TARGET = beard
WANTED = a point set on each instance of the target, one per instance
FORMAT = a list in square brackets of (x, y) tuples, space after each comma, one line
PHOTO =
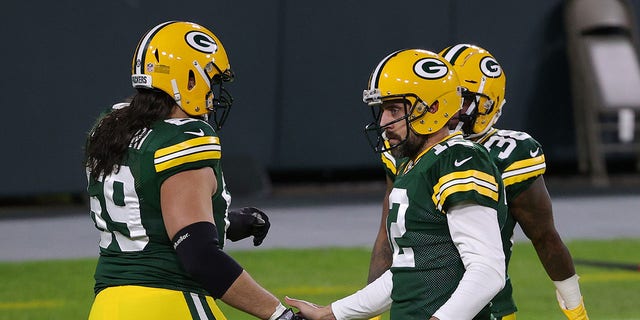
[(410, 148)]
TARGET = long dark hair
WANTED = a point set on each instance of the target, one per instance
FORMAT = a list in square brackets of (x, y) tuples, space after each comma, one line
[(108, 141)]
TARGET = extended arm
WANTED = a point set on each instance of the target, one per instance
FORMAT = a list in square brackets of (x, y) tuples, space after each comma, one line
[(532, 209), (369, 301), (187, 212)]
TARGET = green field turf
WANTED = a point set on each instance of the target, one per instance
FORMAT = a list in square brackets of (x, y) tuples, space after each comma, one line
[(62, 289)]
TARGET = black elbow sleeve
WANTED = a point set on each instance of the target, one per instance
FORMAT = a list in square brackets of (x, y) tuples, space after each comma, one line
[(197, 248)]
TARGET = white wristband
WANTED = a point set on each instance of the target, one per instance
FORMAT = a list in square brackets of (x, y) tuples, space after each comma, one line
[(569, 291), (279, 310)]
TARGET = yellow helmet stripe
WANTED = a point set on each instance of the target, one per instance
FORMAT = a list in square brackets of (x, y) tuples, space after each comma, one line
[(461, 181)]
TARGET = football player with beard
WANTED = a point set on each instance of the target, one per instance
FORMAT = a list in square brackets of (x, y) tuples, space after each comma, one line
[(521, 162), (446, 207)]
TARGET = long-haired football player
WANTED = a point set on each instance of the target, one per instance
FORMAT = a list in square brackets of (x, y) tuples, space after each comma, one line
[(446, 206), (157, 191)]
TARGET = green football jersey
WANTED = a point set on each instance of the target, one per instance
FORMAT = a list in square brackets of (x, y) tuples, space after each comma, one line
[(518, 156), (520, 159), (426, 264), (125, 205)]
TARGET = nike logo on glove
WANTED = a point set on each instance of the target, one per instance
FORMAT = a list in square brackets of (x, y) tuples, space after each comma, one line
[(198, 133), (534, 153), (461, 162)]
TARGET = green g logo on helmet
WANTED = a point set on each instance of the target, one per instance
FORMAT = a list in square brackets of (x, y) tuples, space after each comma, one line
[(490, 67), (430, 68), (201, 42)]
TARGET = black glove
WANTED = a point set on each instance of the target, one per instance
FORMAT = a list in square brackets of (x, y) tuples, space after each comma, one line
[(246, 222), (289, 315)]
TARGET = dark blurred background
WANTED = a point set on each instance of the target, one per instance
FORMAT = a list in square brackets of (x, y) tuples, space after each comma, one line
[(301, 67)]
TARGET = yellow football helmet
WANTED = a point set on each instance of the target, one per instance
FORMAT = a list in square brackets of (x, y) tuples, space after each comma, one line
[(188, 62), (484, 84), (420, 78)]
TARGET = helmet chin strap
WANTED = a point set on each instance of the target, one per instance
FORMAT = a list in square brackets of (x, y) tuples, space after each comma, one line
[(176, 92), (178, 98), (483, 81), (202, 73), (207, 80)]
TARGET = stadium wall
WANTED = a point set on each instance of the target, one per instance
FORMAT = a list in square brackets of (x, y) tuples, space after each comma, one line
[(301, 67)]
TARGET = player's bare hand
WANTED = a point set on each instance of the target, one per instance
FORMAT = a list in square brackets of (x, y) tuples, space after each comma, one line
[(310, 310)]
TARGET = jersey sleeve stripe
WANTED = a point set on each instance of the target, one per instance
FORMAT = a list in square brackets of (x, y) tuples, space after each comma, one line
[(526, 163), (191, 150), (471, 186), (461, 181), (516, 176), (523, 170), (186, 152), (208, 140), (186, 159)]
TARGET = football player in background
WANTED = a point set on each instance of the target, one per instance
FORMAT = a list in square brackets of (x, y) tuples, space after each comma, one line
[(157, 190), (521, 161), (447, 202)]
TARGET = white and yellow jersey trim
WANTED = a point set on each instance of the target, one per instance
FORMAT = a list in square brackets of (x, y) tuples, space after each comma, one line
[(196, 149), (389, 162), (462, 181), (523, 170)]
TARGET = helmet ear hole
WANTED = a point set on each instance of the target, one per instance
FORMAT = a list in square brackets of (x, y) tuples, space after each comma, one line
[(192, 80), (433, 108)]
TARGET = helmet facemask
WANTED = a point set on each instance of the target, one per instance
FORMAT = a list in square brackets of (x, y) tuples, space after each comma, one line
[(480, 116), (468, 118), (375, 131), (219, 100)]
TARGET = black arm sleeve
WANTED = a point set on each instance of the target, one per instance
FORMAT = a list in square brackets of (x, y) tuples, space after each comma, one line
[(197, 249)]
